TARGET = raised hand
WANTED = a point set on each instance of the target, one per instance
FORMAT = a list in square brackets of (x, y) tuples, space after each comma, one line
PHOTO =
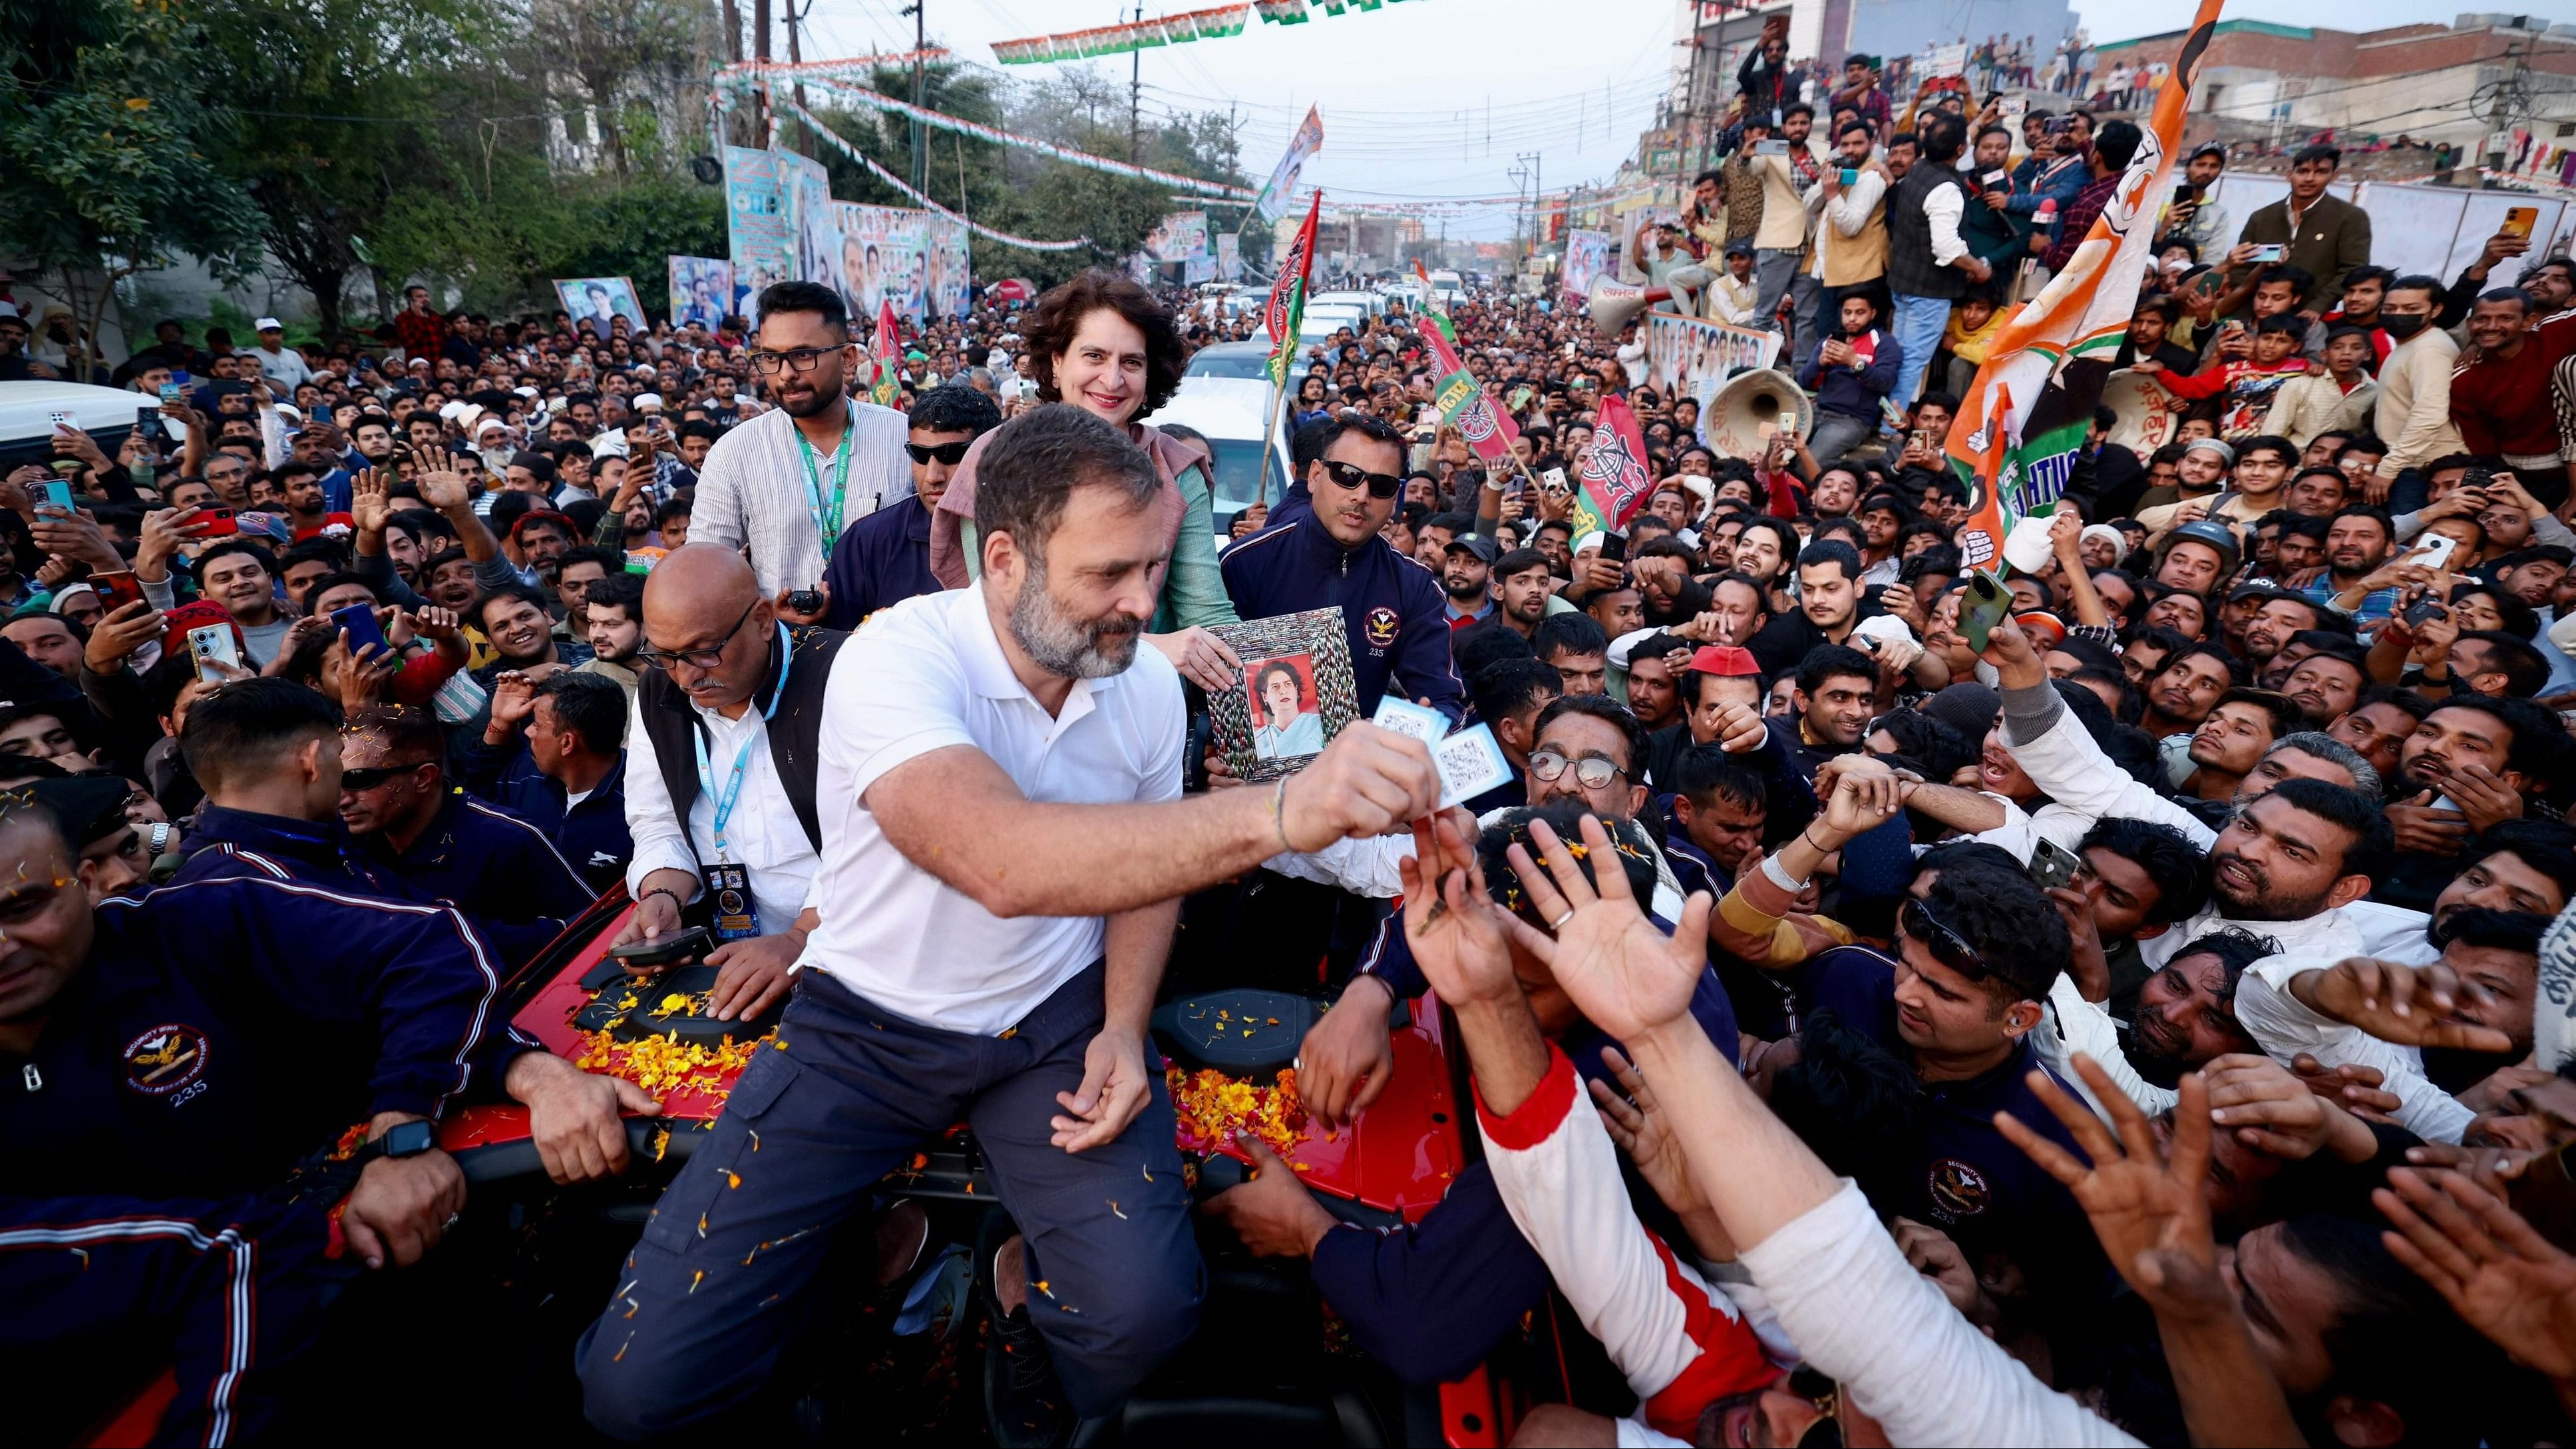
[(1454, 928), (1643, 1133), (124, 629), (368, 507), (2500, 1276), (1623, 974), (445, 490), (2151, 1214)]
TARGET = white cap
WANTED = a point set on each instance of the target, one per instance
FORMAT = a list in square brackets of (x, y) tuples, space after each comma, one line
[(1626, 644), (608, 445), (489, 422), (524, 391), (1590, 540), (268, 324), (291, 410), (650, 402)]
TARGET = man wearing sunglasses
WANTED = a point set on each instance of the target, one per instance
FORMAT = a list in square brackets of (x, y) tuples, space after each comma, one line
[(785, 484), (1331, 553), (884, 558)]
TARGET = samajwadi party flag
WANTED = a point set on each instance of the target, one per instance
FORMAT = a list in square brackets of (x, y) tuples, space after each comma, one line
[(1287, 305), (1283, 177), (1463, 401), (1614, 480), (2018, 431), (889, 354)]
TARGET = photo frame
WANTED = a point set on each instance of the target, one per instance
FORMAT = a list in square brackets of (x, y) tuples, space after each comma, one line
[(1295, 695)]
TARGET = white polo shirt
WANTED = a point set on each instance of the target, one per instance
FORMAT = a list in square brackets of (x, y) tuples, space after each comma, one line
[(922, 676)]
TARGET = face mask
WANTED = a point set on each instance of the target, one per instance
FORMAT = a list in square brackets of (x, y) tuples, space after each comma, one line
[(2402, 325)]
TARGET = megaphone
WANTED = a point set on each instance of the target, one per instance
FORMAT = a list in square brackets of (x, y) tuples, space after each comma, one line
[(1615, 304), (1742, 419)]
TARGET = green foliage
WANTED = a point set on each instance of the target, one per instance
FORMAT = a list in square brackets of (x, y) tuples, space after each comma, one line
[(105, 130)]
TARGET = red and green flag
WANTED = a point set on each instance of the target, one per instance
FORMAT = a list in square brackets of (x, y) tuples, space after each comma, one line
[(1287, 306), (1463, 402), (889, 355), (1613, 481)]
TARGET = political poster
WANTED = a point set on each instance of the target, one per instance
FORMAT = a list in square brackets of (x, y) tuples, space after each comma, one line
[(701, 291), (950, 292), (1179, 237), (1587, 256), (1686, 349), (813, 220), (595, 302), (1275, 193), (1229, 257), (756, 234)]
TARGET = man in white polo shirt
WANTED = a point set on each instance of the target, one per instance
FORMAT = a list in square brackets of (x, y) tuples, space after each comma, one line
[(1004, 852)]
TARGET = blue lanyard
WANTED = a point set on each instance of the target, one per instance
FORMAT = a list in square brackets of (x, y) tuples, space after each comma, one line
[(742, 757)]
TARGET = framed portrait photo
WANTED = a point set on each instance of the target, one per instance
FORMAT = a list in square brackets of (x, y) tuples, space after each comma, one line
[(1295, 695)]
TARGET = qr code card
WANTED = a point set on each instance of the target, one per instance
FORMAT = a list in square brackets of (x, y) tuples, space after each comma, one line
[(1470, 763), (1407, 718)]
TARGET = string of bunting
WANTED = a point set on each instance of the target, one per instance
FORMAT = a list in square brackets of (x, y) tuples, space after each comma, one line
[(842, 144), (1215, 24), (1069, 156)]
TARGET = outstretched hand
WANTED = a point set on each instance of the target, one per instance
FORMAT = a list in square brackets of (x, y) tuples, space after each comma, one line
[(1625, 975), (1454, 928), (2487, 1262), (2151, 1213)]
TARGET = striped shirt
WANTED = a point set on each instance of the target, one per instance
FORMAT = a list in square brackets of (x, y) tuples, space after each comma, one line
[(752, 491)]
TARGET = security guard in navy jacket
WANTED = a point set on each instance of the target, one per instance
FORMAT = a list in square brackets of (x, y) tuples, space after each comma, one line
[(166, 1063), (438, 843), (1330, 554)]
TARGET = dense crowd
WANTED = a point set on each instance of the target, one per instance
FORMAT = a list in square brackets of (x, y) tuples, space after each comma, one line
[(2111, 999)]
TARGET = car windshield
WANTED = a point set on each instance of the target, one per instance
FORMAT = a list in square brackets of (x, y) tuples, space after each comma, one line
[(1213, 363), (1236, 458)]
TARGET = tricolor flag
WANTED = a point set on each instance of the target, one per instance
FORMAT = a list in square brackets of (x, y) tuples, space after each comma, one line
[(1463, 402), (1613, 481), (888, 349), (1287, 305), (2018, 430)]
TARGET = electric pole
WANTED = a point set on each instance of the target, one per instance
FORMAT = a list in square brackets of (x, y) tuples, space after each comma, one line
[(920, 133), (1531, 159), (1135, 90), (760, 52)]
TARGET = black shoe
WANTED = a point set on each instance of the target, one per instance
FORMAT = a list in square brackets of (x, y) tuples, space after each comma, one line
[(1024, 1404)]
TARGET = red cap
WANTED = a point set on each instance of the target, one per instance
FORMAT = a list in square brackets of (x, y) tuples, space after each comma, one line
[(1727, 661), (197, 614)]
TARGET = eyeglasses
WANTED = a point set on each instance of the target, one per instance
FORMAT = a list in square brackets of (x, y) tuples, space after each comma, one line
[(951, 454), (1351, 475), (801, 359), (707, 658), (1944, 942), (368, 777), (1591, 774)]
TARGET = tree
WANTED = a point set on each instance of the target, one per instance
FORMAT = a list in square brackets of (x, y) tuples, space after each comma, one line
[(105, 135)]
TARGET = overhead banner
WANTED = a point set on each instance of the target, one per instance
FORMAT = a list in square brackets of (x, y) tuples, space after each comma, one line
[(1283, 177), (1685, 349), (895, 257), (821, 132), (763, 250), (810, 217), (1229, 257), (1179, 237), (701, 291)]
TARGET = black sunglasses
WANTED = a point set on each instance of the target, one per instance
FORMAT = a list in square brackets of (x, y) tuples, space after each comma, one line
[(1944, 942), (1351, 475), (951, 454)]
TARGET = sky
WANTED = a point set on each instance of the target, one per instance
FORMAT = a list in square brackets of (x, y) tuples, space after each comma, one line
[(1436, 98)]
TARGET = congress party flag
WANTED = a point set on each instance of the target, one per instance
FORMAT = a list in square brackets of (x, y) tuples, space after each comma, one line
[(1287, 305), (2023, 420)]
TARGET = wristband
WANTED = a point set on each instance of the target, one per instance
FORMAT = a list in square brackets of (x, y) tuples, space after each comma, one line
[(664, 891), (1279, 816)]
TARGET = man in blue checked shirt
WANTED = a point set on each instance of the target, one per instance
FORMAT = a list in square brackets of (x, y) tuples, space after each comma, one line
[(2362, 581)]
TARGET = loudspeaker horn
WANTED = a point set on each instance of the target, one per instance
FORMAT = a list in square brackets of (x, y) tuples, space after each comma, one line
[(1615, 304), (1741, 420)]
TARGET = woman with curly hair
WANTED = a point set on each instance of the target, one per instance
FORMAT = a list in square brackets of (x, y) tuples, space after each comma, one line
[(1102, 343)]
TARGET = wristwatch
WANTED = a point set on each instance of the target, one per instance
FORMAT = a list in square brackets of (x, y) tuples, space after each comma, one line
[(403, 1139)]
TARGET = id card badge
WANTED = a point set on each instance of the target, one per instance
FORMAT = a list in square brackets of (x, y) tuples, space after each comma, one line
[(729, 887)]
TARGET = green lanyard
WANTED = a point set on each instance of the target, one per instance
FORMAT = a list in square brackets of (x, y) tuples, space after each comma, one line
[(827, 521)]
